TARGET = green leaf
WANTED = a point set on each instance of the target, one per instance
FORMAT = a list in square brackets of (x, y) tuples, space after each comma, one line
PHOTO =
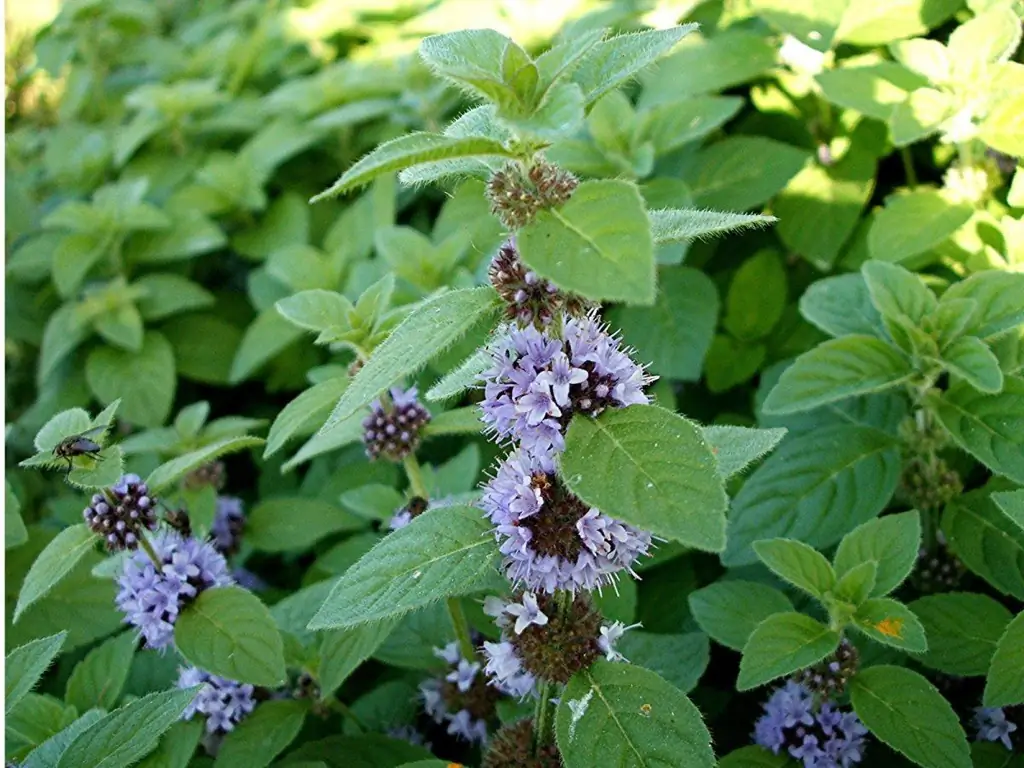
[(460, 421), (736, 448), (729, 611), (623, 715), (342, 650), (54, 564), (873, 90), (191, 234), (906, 712), (782, 644), (679, 659), (676, 331), (1012, 505), (897, 292), (892, 542), (598, 244), (284, 524), (919, 116), (989, 427), (1000, 302), (876, 22), (990, 37), (802, 566), (671, 125), (812, 22), (1005, 684), (970, 358), (265, 338), (820, 207), (838, 369), (97, 680), (263, 735), (753, 757), (15, 533), (963, 630), (204, 346), (913, 223), (127, 734), (742, 172), (1002, 129), (612, 62), (842, 306), (651, 468), (756, 297), (122, 327), (680, 225), (305, 413), (709, 65), (176, 746), (48, 753), (75, 257), (167, 474), (428, 330), (25, 665), (407, 151), (465, 376), (442, 553), (165, 295), (890, 622), (815, 488), (63, 334), (227, 631), (144, 381), (855, 586), (986, 541)]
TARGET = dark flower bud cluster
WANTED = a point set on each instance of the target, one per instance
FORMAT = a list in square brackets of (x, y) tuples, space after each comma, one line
[(462, 699), (541, 640), (223, 702), (1004, 725), (152, 598), (417, 506), (828, 678), (516, 196), (512, 747), (817, 735), (394, 431), (120, 515), (212, 473), (930, 485), (528, 298), (228, 525), (937, 570)]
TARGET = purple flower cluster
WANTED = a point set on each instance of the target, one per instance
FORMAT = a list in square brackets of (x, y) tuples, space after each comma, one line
[(992, 724), (119, 515), (537, 382), (394, 432), (224, 702), (549, 538), (228, 524), (461, 699), (151, 599), (818, 736)]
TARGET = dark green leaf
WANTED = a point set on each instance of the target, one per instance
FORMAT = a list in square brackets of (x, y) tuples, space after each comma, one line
[(729, 611), (782, 644)]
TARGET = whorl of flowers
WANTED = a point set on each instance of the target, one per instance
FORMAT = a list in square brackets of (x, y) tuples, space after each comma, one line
[(394, 431), (998, 724), (528, 297), (120, 515), (228, 525), (537, 382), (151, 599), (462, 699), (828, 678), (517, 197), (540, 641), (513, 747), (818, 736), (225, 703), (550, 539)]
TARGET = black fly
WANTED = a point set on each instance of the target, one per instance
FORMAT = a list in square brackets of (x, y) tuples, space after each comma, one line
[(80, 445)]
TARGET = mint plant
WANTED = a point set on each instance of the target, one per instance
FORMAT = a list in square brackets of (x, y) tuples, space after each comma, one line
[(620, 384)]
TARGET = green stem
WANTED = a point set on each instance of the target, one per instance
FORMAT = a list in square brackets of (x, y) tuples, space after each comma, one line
[(542, 717), (148, 549), (345, 711), (415, 475), (461, 625), (908, 167)]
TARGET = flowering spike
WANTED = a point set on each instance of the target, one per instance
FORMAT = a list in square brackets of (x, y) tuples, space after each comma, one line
[(394, 432), (121, 515), (225, 703)]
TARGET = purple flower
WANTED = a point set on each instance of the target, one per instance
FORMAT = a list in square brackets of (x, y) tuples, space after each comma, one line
[(151, 599), (224, 702), (228, 524), (535, 382), (120, 515), (445, 699), (819, 737), (992, 725), (609, 636), (394, 431), (549, 538), (526, 613), (506, 670)]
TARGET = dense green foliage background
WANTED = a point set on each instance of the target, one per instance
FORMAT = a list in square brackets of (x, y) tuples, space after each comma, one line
[(160, 161)]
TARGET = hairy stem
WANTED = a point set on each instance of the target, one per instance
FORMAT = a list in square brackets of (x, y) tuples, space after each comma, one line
[(543, 716), (148, 549), (908, 167), (415, 475), (461, 625)]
